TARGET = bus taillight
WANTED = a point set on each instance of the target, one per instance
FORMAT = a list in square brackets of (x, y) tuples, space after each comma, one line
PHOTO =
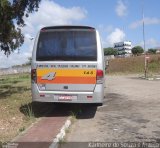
[(33, 75), (100, 76)]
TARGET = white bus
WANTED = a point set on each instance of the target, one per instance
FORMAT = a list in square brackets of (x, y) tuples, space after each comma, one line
[(68, 65)]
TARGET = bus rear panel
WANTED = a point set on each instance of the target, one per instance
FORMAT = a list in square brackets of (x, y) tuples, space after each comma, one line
[(68, 65)]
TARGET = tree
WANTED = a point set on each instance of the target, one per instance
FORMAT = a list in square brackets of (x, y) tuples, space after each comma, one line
[(11, 22), (29, 61), (137, 50), (152, 51), (110, 51)]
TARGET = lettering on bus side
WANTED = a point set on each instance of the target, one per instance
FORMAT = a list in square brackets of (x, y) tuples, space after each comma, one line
[(88, 72), (92, 66)]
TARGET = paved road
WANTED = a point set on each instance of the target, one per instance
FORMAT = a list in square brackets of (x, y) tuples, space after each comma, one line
[(131, 112)]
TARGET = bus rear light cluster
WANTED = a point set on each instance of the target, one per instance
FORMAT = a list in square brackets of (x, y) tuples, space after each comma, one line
[(34, 75), (100, 76)]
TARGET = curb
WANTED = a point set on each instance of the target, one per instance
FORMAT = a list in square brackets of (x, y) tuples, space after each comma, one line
[(61, 134), (150, 78)]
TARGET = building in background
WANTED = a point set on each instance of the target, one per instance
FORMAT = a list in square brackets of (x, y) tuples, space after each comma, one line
[(124, 48), (158, 50)]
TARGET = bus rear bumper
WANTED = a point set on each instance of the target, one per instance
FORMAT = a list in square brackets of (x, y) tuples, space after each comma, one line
[(67, 96)]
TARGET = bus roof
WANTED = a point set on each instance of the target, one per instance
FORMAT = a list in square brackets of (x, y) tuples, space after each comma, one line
[(67, 27)]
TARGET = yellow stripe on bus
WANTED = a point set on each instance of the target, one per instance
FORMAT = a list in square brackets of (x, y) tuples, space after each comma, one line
[(68, 72)]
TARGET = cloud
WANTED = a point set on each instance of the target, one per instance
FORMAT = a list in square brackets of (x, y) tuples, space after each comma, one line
[(14, 59), (121, 8), (116, 36), (150, 43), (49, 13), (147, 21), (105, 29)]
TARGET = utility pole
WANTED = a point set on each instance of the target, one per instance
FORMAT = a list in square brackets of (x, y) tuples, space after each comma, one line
[(145, 59)]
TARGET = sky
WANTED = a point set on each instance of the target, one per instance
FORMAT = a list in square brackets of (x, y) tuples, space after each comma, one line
[(116, 20)]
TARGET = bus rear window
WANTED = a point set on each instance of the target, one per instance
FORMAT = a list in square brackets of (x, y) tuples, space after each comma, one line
[(79, 45)]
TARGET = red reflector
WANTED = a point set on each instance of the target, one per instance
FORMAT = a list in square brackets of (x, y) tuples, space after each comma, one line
[(99, 73), (42, 95), (89, 97)]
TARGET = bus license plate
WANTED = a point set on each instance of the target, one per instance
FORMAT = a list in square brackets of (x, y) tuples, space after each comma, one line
[(66, 98)]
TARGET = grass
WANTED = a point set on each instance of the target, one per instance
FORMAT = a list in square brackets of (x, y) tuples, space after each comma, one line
[(28, 111), (17, 112), (22, 129), (73, 116), (14, 91), (74, 113), (133, 65)]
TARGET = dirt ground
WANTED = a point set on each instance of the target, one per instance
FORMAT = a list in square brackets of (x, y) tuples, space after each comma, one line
[(131, 113)]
